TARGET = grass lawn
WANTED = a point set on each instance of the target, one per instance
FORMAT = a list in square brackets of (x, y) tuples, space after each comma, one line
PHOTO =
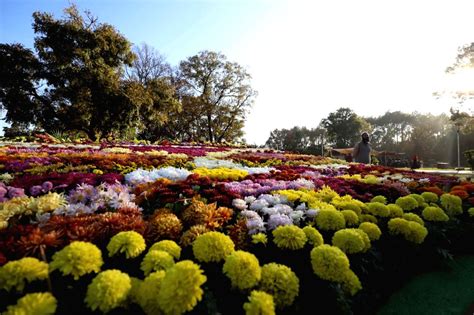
[(445, 292)]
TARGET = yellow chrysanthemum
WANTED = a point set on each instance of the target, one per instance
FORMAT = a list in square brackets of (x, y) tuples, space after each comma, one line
[(330, 220), (351, 217), (47, 203), (412, 231), (314, 237), (133, 295), (289, 237), (329, 262), (243, 269), (471, 211), (221, 173), (434, 214), (130, 242), (407, 203), (395, 210), (371, 229), (77, 259), (326, 194), (430, 197), (108, 290), (156, 260), (15, 274), (212, 247), (452, 204), (365, 239), (349, 241), (379, 198), (181, 288), (260, 303), (348, 203), (34, 304), (259, 238), (378, 209), (168, 246), (413, 217), (281, 282), (147, 293), (368, 218), (419, 199), (351, 283)]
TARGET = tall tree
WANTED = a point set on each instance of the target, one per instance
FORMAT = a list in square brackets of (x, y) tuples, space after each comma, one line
[(296, 139), (75, 80), (344, 127), (148, 65), (219, 92)]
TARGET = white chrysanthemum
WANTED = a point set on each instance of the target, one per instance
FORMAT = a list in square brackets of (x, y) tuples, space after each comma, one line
[(239, 204)]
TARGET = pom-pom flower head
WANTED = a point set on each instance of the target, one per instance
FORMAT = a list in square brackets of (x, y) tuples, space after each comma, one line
[(156, 260), (395, 210), (260, 303), (281, 282), (349, 241), (429, 197), (289, 237), (314, 237), (412, 231), (351, 217), (452, 204), (34, 303), (378, 209), (14, 274), (379, 198), (77, 259), (413, 217), (372, 230), (351, 283), (330, 220), (243, 269), (212, 247), (168, 246), (259, 238), (131, 243), (434, 214), (181, 288), (147, 292), (108, 290), (407, 203), (329, 262)]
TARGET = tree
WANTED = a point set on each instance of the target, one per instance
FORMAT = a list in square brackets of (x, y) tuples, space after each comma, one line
[(148, 65), (19, 79), (297, 139), (217, 94), (75, 82), (391, 129), (344, 127)]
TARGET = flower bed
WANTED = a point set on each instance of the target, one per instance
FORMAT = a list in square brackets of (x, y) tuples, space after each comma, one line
[(176, 229)]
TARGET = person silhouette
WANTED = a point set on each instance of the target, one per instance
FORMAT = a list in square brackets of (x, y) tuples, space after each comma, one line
[(361, 152)]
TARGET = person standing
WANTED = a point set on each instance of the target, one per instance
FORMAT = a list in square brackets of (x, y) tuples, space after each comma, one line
[(361, 152)]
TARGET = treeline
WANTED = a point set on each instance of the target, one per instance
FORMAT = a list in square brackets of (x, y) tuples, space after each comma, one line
[(433, 138), (84, 77)]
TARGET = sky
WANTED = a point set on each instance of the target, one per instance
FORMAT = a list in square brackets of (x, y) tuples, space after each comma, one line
[(307, 58)]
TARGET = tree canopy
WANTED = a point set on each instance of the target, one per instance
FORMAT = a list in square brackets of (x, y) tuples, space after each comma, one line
[(85, 76)]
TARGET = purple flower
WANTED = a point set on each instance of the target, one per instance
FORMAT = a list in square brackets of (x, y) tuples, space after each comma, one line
[(36, 190), (277, 220), (15, 192), (3, 191), (47, 186)]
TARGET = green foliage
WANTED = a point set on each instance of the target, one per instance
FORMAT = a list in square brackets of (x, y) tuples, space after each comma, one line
[(75, 80), (344, 127), (297, 139)]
